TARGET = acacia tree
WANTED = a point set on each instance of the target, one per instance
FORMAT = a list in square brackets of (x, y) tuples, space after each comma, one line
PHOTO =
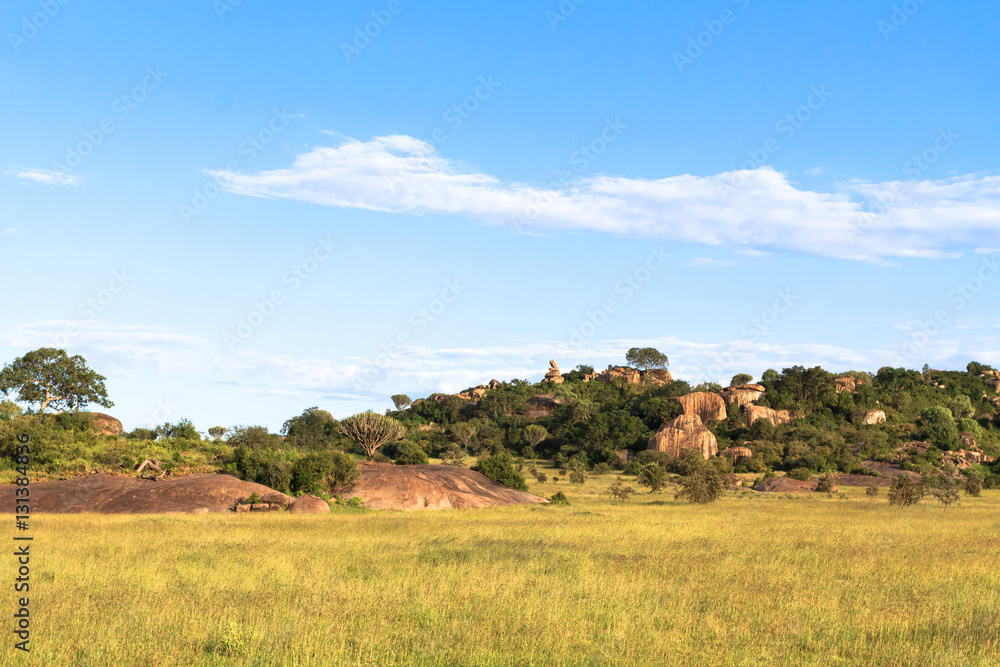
[(401, 401), (646, 358), (372, 430), (52, 378)]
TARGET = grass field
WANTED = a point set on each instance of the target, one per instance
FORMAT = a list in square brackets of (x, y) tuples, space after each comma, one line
[(749, 580)]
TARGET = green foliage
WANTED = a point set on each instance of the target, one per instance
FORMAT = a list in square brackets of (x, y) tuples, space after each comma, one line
[(620, 491), (945, 488), (825, 484), (961, 406), (52, 378), (535, 434), (702, 486), (559, 498), (9, 410), (324, 471), (973, 485), (254, 499), (401, 401), (313, 429), (904, 491), (500, 468), (741, 378), (183, 429), (371, 430), (646, 358), (939, 427), (801, 474), (654, 476), (872, 492), (216, 432), (409, 454)]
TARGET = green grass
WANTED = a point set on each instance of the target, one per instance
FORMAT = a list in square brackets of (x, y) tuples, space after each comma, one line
[(751, 580)]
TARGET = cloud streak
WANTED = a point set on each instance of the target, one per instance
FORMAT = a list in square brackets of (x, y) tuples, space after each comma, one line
[(46, 176), (756, 209)]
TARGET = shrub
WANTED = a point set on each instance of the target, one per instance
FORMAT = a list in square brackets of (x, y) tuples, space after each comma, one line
[(945, 489), (254, 499), (904, 492), (602, 468), (973, 486), (654, 476), (702, 486), (559, 498), (577, 475), (620, 491), (324, 471), (801, 474), (872, 492), (500, 468), (408, 454), (540, 476), (825, 484)]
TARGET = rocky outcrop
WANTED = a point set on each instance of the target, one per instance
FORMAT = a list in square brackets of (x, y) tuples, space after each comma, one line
[(384, 486), (542, 405), (553, 375), (656, 376), (107, 424), (755, 412), (737, 454), (992, 400), (847, 383), (732, 481), (684, 433), (967, 439), (708, 406), (620, 374), (990, 374), (494, 384), (743, 394), (309, 505), (789, 485), (874, 416)]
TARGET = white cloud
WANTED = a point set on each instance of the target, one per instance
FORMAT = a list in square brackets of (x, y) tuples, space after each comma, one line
[(986, 251), (815, 171), (47, 176), (861, 221)]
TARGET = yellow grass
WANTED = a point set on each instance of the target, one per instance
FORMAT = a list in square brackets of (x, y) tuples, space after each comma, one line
[(746, 581)]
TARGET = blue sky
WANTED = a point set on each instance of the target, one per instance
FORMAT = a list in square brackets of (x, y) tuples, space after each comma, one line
[(238, 210)]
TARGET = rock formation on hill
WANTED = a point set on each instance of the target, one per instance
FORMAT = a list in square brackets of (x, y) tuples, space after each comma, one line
[(542, 405), (494, 384), (737, 454), (656, 376), (553, 375), (846, 383), (708, 406), (684, 433), (874, 417), (743, 394), (992, 400), (621, 374), (107, 424), (755, 412)]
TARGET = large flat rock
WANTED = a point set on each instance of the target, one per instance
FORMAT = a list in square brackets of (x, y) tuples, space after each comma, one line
[(384, 486), (110, 494)]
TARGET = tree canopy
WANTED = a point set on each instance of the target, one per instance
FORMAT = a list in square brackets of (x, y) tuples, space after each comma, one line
[(646, 358), (51, 378)]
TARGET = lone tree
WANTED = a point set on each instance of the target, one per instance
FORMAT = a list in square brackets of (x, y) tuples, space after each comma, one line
[(372, 430), (535, 434), (401, 401), (646, 358), (50, 377), (740, 379)]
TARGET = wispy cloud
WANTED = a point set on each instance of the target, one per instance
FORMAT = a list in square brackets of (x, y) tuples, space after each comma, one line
[(928, 219), (47, 176), (708, 263)]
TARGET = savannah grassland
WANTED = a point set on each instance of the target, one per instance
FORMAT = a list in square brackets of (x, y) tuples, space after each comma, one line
[(749, 580)]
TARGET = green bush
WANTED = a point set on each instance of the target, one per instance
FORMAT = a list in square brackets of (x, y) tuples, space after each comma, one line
[(703, 486), (500, 468), (904, 491), (801, 474), (324, 471), (408, 454), (559, 498), (825, 484)]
